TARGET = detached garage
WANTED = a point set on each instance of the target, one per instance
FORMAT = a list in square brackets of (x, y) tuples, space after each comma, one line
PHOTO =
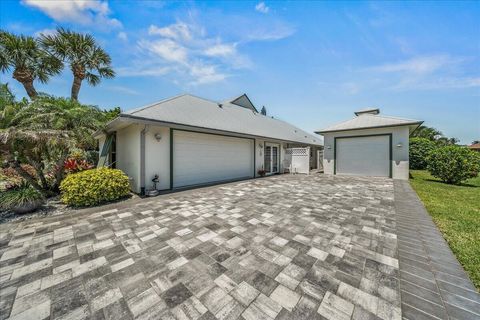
[(368, 145)]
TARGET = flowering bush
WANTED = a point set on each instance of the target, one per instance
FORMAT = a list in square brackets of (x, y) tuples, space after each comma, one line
[(94, 186)]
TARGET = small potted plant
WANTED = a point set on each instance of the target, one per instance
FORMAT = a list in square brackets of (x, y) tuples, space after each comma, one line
[(262, 172), (154, 192)]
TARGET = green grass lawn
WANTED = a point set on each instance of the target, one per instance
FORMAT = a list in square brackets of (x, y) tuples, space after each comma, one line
[(456, 212)]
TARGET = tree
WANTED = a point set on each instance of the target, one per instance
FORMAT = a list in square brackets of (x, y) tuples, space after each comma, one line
[(419, 151), (86, 58), (28, 61), (427, 133), (263, 111), (454, 164), (43, 133)]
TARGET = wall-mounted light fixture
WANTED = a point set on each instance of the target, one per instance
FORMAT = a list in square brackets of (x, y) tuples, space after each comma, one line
[(158, 136), (399, 145), (329, 147), (260, 145)]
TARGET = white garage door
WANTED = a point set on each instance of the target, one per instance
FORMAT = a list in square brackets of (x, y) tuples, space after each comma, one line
[(365, 156), (200, 158)]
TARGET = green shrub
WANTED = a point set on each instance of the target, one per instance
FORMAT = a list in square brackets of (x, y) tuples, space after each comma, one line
[(453, 164), (94, 186), (419, 150), (21, 195)]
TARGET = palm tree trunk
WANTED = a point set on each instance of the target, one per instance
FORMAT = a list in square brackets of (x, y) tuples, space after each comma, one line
[(32, 93), (77, 83)]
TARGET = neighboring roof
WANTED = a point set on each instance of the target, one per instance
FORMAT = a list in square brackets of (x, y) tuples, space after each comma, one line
[(369, 121), (198, 112), (475, 146)]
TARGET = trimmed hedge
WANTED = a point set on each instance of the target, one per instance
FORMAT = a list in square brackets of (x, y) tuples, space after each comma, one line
[(94, 186), (419, 151), (453, 164)]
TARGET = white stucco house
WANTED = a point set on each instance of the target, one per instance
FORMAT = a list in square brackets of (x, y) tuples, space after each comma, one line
[(189, 141), (369, 145)]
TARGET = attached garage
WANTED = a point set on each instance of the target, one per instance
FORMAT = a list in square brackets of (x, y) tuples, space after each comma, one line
[(200, 158), (368, 145), (363, 155)]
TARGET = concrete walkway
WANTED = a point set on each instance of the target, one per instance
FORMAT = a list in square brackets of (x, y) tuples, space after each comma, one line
[(433, 284)]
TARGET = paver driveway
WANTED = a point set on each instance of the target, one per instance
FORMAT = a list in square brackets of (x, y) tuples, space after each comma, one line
[(284, 247)]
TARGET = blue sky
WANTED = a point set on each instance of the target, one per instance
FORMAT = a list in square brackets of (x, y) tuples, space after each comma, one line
[(310, 63)]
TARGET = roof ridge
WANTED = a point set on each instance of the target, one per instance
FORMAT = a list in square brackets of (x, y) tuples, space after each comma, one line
[(392, 117), (156, 103)]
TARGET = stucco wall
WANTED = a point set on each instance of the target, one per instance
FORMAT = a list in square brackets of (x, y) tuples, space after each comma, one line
[(260, 155), (157, 157), (128, 153), (400, 162)]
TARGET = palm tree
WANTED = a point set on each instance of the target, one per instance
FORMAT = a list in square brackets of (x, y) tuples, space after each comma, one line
[(43, 133), (86, 58), (28, 61)]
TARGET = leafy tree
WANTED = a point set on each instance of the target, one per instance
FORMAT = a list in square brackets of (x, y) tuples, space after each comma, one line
[(427, 133), (453, 164), (42, 133), (28, 61), (111, 114), (419, 151), (86, 58), (263, 111)]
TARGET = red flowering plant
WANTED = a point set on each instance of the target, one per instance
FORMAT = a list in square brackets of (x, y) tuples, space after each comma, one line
[(72, 165)]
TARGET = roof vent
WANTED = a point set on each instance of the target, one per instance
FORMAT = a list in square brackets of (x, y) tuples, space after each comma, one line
[(373, 111)]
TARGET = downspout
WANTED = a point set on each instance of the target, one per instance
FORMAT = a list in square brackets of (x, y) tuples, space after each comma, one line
[(142, 160)]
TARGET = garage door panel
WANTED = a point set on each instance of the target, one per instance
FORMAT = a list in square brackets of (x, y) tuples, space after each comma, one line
[(366, 156), (203, 158)]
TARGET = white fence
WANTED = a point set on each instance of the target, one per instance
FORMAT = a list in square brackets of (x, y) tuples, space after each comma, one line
[(297, 160)]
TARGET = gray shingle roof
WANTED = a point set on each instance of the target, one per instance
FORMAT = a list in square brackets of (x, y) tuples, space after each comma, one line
[(199, 112), (366, 120)]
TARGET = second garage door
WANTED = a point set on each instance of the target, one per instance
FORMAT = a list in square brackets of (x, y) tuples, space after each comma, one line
[(200, 158), (365, 156)]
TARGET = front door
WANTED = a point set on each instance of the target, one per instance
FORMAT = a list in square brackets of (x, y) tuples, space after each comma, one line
[(271, 158)]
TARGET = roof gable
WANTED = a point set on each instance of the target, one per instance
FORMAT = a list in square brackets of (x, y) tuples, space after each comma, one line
[(243, 101)]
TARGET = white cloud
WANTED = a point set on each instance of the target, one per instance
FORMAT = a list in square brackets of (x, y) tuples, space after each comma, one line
[(124, 90), (185, 51), (419, 65), (431, 72), (177, 31), (45, 32), (83, 12), (122, 36), (262, 7), (221, 50), (166, 49)]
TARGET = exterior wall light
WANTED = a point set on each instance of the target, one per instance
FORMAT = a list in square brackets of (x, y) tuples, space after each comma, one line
[(399, 145), (329, 147), (158, 136)]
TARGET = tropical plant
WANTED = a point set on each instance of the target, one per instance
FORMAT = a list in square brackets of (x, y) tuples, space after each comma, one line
[(453, 164), (43, 133), (28, 61), (427, 133), (433, 134), (92, 187), (22, 198), (86, 58), (419, 151), (73, 165)]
